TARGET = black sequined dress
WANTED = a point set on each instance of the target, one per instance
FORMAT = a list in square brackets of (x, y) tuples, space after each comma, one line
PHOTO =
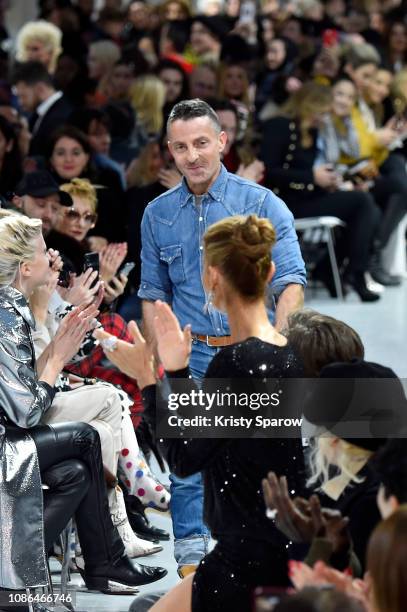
[(250, 551)]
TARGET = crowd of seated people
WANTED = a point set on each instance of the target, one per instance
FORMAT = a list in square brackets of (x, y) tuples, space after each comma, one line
[(312, 96)]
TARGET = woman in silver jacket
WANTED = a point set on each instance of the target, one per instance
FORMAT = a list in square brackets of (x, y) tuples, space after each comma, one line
[(67, 456)]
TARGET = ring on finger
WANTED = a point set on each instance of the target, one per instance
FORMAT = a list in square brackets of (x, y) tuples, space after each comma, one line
[(109, 344)]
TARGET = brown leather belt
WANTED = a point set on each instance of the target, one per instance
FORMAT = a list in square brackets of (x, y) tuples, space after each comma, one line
[(213, 340)]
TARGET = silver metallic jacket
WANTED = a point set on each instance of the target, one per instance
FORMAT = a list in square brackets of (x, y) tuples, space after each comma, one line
[(23, 400)]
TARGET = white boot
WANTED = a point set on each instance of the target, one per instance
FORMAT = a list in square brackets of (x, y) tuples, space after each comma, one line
[(135, 547)]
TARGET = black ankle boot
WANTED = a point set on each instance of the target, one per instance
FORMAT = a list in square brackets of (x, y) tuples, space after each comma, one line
[(121, 573), (378, 272), (140, 523), (357, 281)]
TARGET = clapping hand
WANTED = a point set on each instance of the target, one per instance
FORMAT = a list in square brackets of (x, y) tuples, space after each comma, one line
[(115, 288), (292, 517), (134, 359), (302, 520), (173, 343), (80, 290), (110, 260), (71, 332)]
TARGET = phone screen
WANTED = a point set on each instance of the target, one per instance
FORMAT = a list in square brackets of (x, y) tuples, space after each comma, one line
[(91, 260)]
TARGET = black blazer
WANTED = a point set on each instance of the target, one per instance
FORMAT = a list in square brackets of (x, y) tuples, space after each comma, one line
[(289, 166), (53, 118)]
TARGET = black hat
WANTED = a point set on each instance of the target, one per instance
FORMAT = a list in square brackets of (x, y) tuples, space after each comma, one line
[(361, 402), (40, 184)]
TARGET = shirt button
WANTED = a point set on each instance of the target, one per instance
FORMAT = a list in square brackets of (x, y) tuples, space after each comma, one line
[(201, 248), (201, 218)]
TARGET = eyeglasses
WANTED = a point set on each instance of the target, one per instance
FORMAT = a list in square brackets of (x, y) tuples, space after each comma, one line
[(88, 218)]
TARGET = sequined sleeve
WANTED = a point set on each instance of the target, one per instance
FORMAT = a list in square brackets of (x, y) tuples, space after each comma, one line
[(23, 398)]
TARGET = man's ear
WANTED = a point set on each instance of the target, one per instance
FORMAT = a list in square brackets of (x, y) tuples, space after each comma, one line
[(223, 138), (17, 201)]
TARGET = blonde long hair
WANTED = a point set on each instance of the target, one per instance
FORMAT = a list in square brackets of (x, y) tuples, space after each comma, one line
[(18, 234), (47, 33), (311, 100), (349, 459), (147, 97)]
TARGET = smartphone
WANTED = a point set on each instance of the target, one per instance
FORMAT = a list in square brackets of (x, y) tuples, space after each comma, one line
[(64, 278), (248, 11), (91, 260), (127, 268)]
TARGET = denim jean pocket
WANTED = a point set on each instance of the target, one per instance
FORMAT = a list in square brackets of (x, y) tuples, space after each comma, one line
[(172, 256)]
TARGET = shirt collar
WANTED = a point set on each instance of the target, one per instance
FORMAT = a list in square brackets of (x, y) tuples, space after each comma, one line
[(16, 299), (44, 107), (216, 190)]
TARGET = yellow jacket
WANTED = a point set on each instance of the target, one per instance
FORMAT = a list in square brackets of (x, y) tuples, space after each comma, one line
[(368, 142)]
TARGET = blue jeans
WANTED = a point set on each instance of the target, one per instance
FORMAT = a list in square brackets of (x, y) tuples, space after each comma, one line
[(190, 533)]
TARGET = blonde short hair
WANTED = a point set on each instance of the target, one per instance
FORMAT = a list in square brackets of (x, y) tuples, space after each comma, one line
[(47, 33), (18, 234), (81, 188)]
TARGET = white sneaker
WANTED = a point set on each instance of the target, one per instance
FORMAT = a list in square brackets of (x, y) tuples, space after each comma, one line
[(135, 547)]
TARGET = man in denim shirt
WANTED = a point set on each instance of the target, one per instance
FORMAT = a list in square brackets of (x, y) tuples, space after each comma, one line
[(172, 229)]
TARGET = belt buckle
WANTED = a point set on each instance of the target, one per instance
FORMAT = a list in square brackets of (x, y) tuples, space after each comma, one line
[(207, 341)]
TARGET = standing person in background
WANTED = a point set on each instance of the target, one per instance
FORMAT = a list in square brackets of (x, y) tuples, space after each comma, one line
[(172, 229), (37, 95)]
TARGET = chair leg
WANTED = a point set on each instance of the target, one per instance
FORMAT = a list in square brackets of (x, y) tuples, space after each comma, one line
[(334, 265)]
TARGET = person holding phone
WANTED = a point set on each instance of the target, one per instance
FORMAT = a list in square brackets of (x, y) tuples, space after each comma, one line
[(309, 186), (66, 457)]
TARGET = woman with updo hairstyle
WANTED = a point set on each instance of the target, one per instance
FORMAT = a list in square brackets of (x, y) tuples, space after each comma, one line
[(250, 551), (39, 41)]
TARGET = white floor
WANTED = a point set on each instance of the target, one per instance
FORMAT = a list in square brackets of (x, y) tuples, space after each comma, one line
[(383, 329)]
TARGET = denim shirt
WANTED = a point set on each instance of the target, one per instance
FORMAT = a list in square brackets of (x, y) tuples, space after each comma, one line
[(172, 248)]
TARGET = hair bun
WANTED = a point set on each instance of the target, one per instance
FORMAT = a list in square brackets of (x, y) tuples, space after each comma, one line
[(254, 238)]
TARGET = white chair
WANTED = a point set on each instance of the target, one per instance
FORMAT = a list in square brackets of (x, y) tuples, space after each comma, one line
[(321, 229)]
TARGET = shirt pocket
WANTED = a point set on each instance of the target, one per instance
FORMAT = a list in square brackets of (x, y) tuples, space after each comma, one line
[(172, 256)]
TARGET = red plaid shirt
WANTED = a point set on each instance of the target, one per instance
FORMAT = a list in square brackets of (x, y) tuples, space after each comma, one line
[(89, 366)]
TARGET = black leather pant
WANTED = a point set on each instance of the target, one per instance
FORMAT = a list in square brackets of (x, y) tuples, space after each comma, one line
[(70, 462)]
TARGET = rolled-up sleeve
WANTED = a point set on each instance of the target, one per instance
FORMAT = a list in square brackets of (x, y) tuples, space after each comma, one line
[(290, 267), (155, 283)]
